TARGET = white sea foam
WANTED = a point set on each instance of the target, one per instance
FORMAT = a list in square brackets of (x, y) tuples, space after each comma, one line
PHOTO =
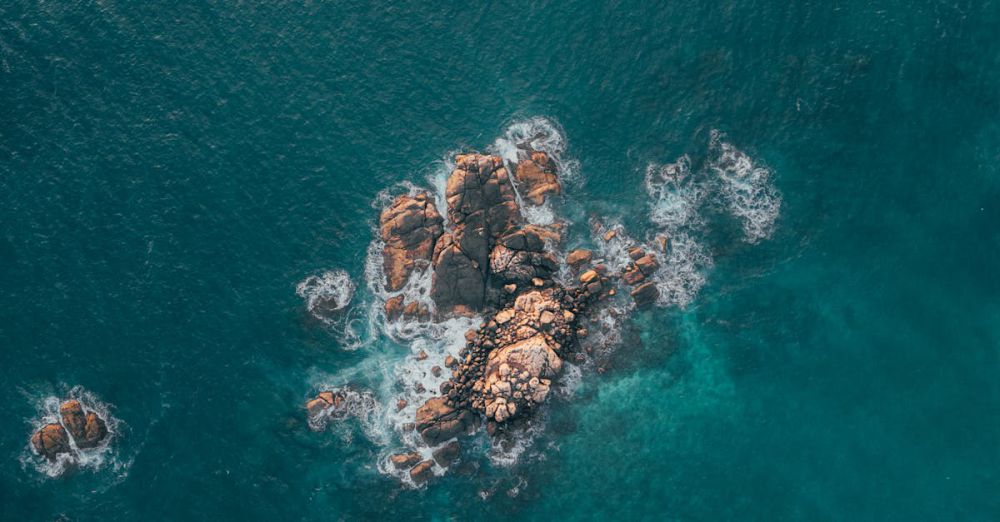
[(676, 195), (539, 134), (747, 189), (326, 293), (359, 404), (679, 201), (103, 456), (682, 272)]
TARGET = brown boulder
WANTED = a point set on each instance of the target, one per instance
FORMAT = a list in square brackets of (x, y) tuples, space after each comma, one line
[(645, 294), (50, 441), (95, 430), (422, 472), (578, 258), (647, 264), (73, 418), (482, 207), (410, 227), (394, 307), (536, 178), (520, 257), (438, 422), (404, 460)]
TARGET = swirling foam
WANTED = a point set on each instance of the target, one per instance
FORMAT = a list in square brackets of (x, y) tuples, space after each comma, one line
[(328, 292), (679, 200)]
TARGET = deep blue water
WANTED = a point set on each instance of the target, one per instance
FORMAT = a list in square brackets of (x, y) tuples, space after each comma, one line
[(169, 173)]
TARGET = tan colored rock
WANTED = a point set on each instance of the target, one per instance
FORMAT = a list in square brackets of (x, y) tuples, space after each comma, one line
[(404, 460), (647, 264), (578, 258), (422, 472), (394, 307), (437, 422), (95, 430), (482, 207), (409, 227), (645, 294), (536, 178), (73, 418), (50, 441)]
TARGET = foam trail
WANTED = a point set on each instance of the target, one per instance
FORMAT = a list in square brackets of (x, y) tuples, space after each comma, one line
[(747, 189)]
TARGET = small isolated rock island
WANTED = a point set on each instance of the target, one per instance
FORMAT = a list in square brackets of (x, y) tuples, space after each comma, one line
[(79, 429), (488, 260)]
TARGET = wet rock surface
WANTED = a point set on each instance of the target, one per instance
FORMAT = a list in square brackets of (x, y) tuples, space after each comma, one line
[(482, 206), (409, 227), (85, 429), (536, 178)]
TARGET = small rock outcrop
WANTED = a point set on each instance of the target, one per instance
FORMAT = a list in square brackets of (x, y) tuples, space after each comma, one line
[(85, 429), (50, 441), (520, 257), (437, 421), (409, 227), (637, 274), (338, 404), (536, 178)]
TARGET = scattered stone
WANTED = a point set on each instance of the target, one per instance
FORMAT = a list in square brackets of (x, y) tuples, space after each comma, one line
[(536, 178), (421, 355), (645, 294), (400, 404), (436, 371), (610, 234)]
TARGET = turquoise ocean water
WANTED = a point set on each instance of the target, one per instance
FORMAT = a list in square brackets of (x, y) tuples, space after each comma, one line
[(169, 172)]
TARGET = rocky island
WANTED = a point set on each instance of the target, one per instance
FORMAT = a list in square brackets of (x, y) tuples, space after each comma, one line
[(77, 430), (487, 260)]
